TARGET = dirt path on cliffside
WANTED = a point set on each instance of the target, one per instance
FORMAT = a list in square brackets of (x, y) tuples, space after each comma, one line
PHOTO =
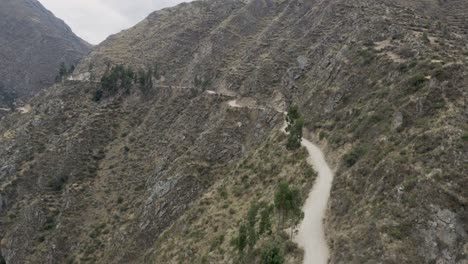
[(311, 234)]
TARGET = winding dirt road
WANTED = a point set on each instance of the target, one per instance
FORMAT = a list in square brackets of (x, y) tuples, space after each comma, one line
[(311, 234)]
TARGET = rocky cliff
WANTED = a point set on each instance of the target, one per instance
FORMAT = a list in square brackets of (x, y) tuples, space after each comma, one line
[(133, 174), (33, 44)]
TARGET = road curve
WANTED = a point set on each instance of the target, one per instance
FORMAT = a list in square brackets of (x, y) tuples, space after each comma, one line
[(311, 234)]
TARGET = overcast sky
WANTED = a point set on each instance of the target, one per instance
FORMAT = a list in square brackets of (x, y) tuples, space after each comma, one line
[(95, 20)]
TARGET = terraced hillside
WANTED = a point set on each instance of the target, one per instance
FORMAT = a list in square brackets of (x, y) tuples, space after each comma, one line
[(149, 173)]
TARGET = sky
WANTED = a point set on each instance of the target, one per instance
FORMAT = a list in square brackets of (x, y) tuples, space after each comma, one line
[(95, 20)]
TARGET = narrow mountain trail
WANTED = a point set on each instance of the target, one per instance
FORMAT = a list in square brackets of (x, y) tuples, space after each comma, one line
[(25, 109), (234, 104), (311, 233)]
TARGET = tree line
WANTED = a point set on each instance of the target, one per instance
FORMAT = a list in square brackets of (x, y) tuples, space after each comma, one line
[(124, 78)]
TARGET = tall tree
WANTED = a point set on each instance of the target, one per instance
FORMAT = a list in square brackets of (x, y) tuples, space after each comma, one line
[(288, 203), (295, 124)]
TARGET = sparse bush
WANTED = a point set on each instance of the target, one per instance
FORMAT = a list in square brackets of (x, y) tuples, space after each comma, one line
[(202, 82), (217, 242), (440, 74), (57, 183), (425, 38), (367, 56), (223, 192), (323, 135)]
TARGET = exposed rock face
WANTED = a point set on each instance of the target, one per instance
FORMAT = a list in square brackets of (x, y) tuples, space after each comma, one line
[(33, 43), (381, 83)]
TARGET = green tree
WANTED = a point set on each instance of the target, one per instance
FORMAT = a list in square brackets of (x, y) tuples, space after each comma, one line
[(63, 69), (252, 236), (295, 124), (295, 134), (292, 115), (288, 203), (240, 242), (97, 96), (145, 79), (265, 221), (272, 254), (251, 222), (117, 77)]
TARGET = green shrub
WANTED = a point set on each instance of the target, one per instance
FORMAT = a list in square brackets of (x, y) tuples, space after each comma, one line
[(441, 74), (416, 82), (272, 254), (465, 137), (98, 96), (367, 56), (57, 183), (354, 155)]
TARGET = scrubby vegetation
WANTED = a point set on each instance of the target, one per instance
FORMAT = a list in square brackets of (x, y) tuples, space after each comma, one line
[(249, 213), (287, 202)]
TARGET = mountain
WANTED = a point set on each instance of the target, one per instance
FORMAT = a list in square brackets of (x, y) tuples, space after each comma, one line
[(166, 143), (33, 44)]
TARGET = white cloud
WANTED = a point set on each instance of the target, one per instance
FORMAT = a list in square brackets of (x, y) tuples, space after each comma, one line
[(95, 20)]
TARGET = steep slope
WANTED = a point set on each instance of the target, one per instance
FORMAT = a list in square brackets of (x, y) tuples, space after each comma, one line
[(33, 43), (382, 86)]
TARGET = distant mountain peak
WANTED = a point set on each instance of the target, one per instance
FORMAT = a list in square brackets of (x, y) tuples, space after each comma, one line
[(33, 43)]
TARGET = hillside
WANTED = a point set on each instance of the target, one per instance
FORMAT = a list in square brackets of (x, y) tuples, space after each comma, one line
[(160, 168), (33, 44)]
